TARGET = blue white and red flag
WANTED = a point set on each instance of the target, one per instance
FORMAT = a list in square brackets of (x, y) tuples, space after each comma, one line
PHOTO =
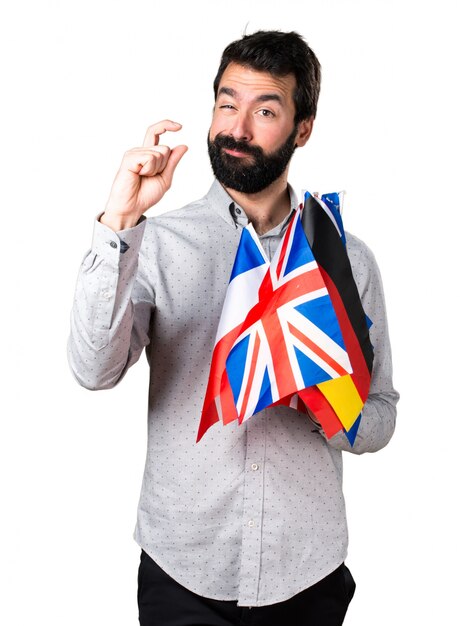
[(278, 334)]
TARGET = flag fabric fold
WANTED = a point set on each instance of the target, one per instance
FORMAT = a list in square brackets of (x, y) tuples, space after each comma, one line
[(324, 228), (285, 335)]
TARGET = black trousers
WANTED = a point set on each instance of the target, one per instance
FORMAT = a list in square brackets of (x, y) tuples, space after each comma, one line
[(163, 602)]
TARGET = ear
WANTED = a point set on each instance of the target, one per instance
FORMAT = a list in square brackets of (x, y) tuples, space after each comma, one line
[(304, 131)]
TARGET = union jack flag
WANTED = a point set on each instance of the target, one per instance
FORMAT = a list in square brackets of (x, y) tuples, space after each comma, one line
[(278, 333)]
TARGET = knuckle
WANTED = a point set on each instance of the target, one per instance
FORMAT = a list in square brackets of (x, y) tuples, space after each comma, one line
[(164, 150)]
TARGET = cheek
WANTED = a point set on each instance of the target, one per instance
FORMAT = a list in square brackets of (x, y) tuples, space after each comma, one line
[(280, 135), (217, 126), (271, 139), (222, 123)]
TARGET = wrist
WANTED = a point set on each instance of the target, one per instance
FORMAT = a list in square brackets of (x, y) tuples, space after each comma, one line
[(118, 222)]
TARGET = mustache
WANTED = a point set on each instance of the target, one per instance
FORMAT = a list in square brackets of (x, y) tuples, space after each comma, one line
[(226, 141)]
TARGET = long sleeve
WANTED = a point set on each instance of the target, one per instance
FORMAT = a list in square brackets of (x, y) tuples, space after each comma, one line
[(379, 412), (111, 310)]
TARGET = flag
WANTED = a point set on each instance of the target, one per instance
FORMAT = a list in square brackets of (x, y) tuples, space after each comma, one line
[(279, 338), (324, 230)]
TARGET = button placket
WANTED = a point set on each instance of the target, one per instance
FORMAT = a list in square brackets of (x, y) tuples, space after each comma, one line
[(252, 510)]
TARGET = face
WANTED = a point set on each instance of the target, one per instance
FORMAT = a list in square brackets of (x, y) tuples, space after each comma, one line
[(252, 135)]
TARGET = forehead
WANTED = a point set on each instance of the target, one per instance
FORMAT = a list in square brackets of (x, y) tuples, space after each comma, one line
[(248, 83)]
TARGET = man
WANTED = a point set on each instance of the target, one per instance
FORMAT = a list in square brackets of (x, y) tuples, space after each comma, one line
[(247, 526)]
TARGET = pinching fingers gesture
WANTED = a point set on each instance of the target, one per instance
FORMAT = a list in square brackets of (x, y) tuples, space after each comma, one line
[(144, 176)]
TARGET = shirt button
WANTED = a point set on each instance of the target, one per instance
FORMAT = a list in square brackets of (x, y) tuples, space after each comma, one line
[(238, 211), (106, 295), (254, 467), (113, 244), (251, 523)]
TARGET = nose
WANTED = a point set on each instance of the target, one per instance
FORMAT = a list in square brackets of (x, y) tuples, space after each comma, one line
[(241, 128)]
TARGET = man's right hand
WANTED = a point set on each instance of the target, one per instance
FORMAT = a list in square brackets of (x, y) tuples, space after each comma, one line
[(145, 175)]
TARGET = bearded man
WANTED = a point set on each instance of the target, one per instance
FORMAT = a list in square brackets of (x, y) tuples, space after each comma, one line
[(248, 526)]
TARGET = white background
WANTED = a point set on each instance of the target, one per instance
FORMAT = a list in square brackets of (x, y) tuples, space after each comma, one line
[(80, 83)]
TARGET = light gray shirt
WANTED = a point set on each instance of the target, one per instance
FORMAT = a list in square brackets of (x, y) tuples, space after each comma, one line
[(253, 513)]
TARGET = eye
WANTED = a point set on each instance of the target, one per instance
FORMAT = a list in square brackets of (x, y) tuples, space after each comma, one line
[(266, 113), (226, 106)]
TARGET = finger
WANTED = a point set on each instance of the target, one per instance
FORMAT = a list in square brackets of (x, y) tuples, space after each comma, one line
[(161, 148), (143, 153), (155, 164), (153, 132), (176, 155), (161, 154), (146, 162)]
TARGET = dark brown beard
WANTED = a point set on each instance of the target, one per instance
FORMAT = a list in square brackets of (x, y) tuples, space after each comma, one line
[(235, 173)]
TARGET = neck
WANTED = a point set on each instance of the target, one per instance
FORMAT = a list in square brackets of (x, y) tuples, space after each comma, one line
[(267, 208)]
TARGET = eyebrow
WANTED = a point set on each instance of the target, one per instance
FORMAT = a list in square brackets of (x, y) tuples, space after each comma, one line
[(266, 97)]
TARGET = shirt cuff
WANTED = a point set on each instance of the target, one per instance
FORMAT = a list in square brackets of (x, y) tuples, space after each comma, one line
[(116, 246)]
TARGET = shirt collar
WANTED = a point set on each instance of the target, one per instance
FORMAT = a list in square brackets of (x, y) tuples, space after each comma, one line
[(233, 214)]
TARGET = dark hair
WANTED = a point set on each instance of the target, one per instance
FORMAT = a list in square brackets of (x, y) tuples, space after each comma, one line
[(279, 54)]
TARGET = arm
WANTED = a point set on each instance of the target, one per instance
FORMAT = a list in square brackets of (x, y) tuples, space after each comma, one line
[(379, 412), (111, 311), (113, 300)]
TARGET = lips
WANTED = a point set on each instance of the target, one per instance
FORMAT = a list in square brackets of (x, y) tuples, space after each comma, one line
[(236, 153), (237, 149)]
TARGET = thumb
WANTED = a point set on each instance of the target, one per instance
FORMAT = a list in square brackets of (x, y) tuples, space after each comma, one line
[(175, 156)]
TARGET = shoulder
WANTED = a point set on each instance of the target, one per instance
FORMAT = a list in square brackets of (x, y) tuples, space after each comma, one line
[(184, 212), (185, 219), (210, 213)]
